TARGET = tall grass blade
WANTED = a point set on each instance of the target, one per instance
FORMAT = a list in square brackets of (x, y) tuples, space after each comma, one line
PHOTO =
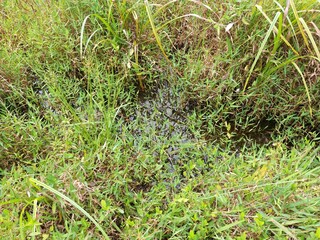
[(73, 203), (295, 12), (117, 39), (286, 17), (154, 30), (283, 64), (316, 28), (82, 34), (275, 29), (314, 45), (136, 65), (21, 223), (277, 42), (136, 51), (286, 11), (283, 228), (261, 48), (305, 85), (105, 23), (88, 41), (34, 216)]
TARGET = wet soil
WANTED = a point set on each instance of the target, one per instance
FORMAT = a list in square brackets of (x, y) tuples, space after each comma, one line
[(161, 122)]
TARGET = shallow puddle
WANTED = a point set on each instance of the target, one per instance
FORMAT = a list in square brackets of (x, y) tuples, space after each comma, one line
[(163, 117), (160, 119)]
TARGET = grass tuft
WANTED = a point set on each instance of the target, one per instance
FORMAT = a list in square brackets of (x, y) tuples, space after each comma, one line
[(164, 119), (73, 203)]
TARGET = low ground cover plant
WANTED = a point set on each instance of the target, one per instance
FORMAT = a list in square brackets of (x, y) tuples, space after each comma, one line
[(159, 119)]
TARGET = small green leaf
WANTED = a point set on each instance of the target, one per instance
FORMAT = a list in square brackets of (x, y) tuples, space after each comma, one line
[(318, 233), (191, 235), (259, 220), (54, 208), (104, 205), (121, 210), (242, 216), (181, 200), (158, 211)]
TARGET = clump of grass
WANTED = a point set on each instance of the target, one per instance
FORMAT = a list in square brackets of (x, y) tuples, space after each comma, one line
[(133, 36), (278, 84), (73, 203), (71, 116)]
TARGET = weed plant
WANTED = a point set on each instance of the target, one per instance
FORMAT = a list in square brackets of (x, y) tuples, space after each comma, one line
[(159, 120)]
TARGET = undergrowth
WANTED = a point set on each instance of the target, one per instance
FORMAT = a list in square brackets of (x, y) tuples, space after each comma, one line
[(159, 120)]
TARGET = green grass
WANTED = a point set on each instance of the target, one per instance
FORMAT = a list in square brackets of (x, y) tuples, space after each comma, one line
[(153, 120)]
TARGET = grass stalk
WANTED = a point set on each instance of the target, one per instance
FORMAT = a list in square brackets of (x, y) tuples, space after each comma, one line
[(305, 85), (313, 42), (275, 29), (283, 228), (82, 35), (154, 29), (261, 49), (73, 203), (297, 18)]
